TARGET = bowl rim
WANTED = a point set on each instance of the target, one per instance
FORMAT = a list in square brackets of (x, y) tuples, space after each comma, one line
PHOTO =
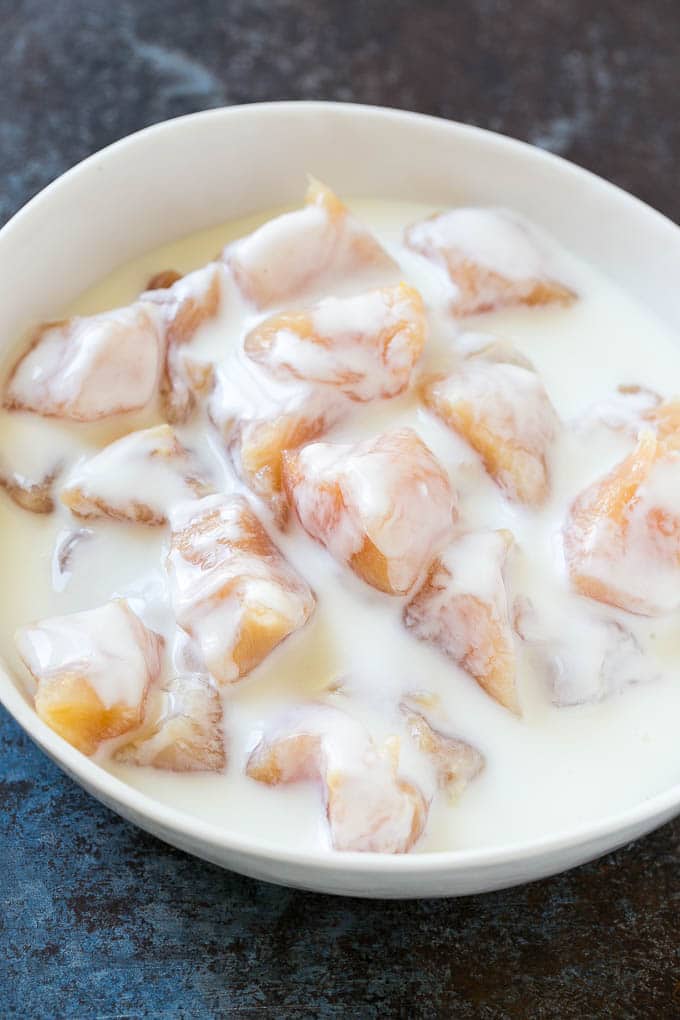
[(128, 800)]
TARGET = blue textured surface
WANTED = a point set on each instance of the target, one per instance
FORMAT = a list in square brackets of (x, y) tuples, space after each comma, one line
[(96, 918)]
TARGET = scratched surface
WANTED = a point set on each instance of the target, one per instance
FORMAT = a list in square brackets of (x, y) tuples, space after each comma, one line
[(98, 919)]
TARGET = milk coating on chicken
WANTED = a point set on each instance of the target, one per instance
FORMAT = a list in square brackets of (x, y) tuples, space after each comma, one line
[(351, 529)]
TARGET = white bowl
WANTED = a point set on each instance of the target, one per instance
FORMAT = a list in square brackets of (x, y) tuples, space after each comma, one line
[(200, 170)]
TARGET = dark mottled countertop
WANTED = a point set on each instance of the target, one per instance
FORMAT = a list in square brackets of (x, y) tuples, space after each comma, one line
[(99, 919)]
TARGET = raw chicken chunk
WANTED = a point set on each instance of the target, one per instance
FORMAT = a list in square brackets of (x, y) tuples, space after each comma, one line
[(93, 671), (183, 731), (456, 761), (632, 409), (584, 657), (369, 806), (259, 419), (380, 506), (622, 535), (35, 496), (497, 402), (490, 257), (304, 252), (138, 478), (231, 588), (163, 279), (185, 383), (186, 303), (90, 368), (30, 466), (627, 409), (463, 609), (365, 345), (664, 418)]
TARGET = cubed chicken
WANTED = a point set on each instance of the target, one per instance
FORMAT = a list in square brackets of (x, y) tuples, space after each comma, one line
[(259, 419), (456, 762), (231, 588), (664, 419), (89, 368), (138, 478), (93, 670), (462, 608), (367, 345), (302, 253), (622, 535), (182, 730), (497, 402), (381, 506), (163, 280), (186, 382), (628, 409), (491, 257), (584, 657), (29, 464), (186, 303), (35, 496), (369, 806)]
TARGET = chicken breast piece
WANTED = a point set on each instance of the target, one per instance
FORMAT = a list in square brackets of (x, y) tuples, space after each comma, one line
[(491, 257), (231, 588), (456, 762), (622, 534), (380, 506), (163, 279), (462, 608), (30, 466), (366, 345), (186, 384), (369, 806), (92, 367), (35, 496), (664, 419), (186, 303), (138, 478), (93, 671), (258, 419), (302, 253), (628, 409), (497, 402), (584, 657), (182, 731)]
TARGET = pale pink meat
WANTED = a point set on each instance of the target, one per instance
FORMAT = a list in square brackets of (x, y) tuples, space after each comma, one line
[(231, 588), (366, 345), (369, 806), (381, 506), (89, 368), (491, 258), (93, 671), (302, 253), (462, 608)]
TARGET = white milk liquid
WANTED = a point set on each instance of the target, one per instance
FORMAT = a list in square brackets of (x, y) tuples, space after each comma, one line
[(551, 770)]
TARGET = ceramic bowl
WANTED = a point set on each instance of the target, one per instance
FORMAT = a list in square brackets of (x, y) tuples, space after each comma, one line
[(200, 170)]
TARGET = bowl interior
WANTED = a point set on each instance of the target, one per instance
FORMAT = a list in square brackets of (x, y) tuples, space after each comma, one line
[(198, 171)]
